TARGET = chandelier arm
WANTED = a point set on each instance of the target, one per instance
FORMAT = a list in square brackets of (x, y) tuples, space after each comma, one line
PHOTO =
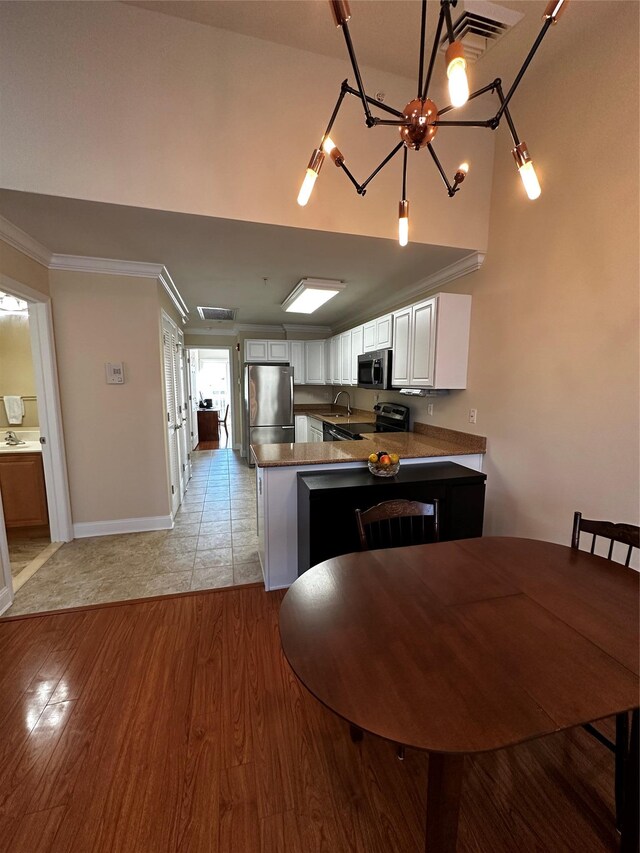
[(334, 114), (378, 122), (351, 91), (356, 71), (507, 115), (450, 189), (423, 27), (382, 165), (548, 22), (358, 187), (434, 51), (447, 16), (490, 87), (487, 123)]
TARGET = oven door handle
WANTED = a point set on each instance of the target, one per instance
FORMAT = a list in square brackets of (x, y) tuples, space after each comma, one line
[(336, 435)]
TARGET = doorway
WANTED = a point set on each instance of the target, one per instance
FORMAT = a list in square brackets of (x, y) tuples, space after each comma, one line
[(213, 392), (35, 512)]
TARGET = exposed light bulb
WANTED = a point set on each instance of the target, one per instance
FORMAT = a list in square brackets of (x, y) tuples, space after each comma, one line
[(530, 180), (331, 149), (457, 74), (526, 170), (464, 167), (403, 223), (328, 145), (313, 169), (307, 187)]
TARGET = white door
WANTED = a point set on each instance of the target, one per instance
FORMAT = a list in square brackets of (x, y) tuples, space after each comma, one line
[(384, 332), (370, 338), (314, 356), (192, 358), (335, 360), (345, 358), (278, 350), (423, 343), (296, 351), (169, 342), (256, 351), (401, 350), (356, 350), (183, 408)]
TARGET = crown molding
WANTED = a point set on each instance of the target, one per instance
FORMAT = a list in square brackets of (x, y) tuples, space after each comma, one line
[(300, 327), (226, 332), (256, 327), (470, 263), (23, 242)]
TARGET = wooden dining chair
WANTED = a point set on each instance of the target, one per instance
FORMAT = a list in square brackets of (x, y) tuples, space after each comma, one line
[(392, 524), (224, 419), (627, 535)]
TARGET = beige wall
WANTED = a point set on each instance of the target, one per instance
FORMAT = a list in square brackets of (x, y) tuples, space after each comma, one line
[(553, 364), (16, 367), (114, 434), (162, 107), (23, 269)]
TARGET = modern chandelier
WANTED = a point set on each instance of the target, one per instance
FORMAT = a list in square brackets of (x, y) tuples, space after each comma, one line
[(419, 121)]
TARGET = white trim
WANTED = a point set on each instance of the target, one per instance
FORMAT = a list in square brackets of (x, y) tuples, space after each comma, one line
[(84, 529), (226, 332), (299, 327), (24, 242), (458, 269), (256, 327), (6, 599), (113, 266), (49, 415), (6, 581)]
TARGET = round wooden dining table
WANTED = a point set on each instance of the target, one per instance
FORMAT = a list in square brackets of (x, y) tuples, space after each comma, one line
[(468, 646)]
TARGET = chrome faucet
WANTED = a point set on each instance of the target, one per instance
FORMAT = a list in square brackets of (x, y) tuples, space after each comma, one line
[(348, 400), (12, 439)]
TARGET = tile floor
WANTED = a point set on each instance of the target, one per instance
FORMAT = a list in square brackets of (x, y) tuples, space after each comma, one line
[(213, 544), (22, 551)]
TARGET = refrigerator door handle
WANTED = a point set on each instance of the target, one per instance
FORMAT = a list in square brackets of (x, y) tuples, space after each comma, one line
[(288, 427)]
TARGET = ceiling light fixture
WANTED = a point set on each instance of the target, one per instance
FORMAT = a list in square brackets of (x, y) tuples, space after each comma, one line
[(310, 293), (11, 304), (419, 121)]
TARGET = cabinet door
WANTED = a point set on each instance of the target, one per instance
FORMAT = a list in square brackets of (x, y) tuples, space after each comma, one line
[(384, 332), (278, 350), (256, 351), (23, 492), (314, 353), (296, 358), (336, 370), (356, 350), (345, 358), (423, 344), (301, 428), (401, 350), (370, 339)]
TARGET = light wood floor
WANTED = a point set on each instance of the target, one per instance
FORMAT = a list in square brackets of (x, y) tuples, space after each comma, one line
[(175, 724)]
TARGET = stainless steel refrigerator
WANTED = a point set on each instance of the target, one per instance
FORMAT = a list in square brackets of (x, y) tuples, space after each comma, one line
[(268, 405)]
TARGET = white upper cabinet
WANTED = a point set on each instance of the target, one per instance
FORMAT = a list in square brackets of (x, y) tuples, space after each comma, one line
[(357, 348), (345, 358), (297, 361), (432, 343), (257, 350), (378, 333), (336, 360), (315, 362)]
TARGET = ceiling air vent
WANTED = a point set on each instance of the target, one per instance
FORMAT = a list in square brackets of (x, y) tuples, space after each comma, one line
[(217, 313), (479, 24)]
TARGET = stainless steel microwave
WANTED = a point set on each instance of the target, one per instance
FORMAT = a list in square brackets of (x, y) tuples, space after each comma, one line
[(374, 370)]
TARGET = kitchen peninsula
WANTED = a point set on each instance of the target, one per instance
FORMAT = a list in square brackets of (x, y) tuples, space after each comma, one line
[(277, 467)]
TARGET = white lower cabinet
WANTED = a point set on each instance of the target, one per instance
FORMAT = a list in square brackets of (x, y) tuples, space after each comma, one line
[(314, 430), (301, 428), (431, 343)]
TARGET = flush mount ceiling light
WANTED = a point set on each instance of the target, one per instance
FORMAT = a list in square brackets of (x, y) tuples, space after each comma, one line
[(11, 304), (420, 120), (310, 293)]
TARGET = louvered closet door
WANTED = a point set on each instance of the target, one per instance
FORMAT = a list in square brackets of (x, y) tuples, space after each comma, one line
[(183, 437), (168, 350)]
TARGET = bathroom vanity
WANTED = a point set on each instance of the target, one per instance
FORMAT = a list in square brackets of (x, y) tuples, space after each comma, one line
[(24, 498)]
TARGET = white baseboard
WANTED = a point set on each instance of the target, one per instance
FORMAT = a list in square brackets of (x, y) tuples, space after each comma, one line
[(122, 525), (5, 599)]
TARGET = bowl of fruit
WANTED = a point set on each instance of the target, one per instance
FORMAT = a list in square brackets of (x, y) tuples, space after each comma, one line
[(384, 464)]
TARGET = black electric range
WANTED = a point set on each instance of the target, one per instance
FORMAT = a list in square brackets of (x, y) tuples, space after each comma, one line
[(390, 417)]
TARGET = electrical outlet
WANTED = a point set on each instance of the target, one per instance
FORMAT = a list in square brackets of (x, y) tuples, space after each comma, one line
[(376, 398), (430, 409), (473, 416)]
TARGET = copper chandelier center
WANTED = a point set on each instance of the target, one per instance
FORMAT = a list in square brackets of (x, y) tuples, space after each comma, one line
[(421, 114)]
